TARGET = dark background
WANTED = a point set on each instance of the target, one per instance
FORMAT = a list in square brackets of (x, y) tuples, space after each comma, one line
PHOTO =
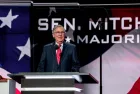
[(86, 52)]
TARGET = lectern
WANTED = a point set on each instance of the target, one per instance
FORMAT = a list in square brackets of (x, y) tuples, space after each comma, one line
[(52, 83)]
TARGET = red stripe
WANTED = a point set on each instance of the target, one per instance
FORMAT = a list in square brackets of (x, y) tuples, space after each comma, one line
[(136, 88), (17, 91), (125, 12)]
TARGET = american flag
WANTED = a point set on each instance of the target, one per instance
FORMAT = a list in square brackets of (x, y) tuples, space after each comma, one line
[(120, 63), (14, 41)]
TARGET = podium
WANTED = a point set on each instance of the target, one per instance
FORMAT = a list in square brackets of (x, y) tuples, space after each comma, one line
[(7, 86), (52, 83)]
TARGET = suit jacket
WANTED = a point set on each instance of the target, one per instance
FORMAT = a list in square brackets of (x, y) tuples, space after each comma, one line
[(68, 63)]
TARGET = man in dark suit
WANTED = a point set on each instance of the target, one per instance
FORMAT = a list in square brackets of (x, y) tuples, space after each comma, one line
[(59, 56)]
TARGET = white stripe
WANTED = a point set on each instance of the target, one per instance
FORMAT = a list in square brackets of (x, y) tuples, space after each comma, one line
[(120, 66), (4, 73), (52, 89), (49, 77)]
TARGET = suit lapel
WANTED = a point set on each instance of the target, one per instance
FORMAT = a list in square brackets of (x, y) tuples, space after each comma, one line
[(64, 51), (63, 54), (53, 50)]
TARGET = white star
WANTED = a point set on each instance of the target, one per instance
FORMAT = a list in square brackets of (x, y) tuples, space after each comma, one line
[(68, 39), (25, 50), (52, 9), (70, 33), (8, 19), (34, 45)]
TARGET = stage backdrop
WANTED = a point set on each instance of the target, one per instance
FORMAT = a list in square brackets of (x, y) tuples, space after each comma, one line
[(107, 40)]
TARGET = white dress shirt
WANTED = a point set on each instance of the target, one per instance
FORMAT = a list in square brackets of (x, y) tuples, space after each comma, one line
[(61, 47)]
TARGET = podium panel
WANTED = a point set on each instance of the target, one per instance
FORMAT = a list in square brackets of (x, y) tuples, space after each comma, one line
[(7, 87), (47, 83), (52, 83), (47, 86)]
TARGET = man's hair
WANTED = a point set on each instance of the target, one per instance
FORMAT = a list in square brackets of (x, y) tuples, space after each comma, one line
[(56, 26)]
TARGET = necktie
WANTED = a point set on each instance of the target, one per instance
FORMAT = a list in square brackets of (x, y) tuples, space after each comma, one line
[(58, 55)]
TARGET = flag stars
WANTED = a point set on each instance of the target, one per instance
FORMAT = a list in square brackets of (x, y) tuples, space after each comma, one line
[(68, 39), (7, 21), (25, 50), (52, 9)]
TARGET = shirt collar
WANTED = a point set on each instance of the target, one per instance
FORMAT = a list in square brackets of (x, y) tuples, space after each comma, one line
[(57, 44)]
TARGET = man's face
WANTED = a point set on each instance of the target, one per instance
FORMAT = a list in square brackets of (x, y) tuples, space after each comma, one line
[(59, 34)]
